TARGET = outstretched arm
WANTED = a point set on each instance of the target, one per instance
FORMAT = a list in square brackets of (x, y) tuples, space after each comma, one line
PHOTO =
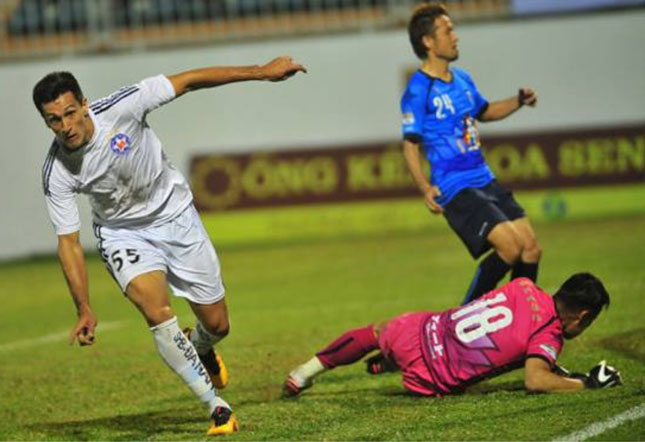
[(413, 158), (278, 69), (499, 110), (538, 378), (72, 260)]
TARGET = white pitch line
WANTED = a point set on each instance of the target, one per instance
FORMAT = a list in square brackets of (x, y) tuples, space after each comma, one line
[(55, 337), (592, 430)]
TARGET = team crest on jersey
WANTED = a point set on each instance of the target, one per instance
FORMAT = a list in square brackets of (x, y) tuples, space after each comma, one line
[(470, 97), (120, 144)]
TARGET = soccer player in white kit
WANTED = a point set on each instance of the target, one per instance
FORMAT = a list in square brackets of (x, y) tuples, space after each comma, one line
[(149, 233)]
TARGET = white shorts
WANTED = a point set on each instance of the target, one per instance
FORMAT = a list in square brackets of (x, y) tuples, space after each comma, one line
[(180, 248)]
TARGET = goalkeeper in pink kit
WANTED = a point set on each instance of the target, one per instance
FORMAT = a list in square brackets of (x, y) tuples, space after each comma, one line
[(438, 353)]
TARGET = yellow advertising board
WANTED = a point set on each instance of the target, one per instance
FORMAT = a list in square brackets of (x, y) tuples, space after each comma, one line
[(377, 170)]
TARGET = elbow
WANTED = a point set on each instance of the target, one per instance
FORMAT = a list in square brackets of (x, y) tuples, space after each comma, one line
[(62, 247), (538, 377), (68, 242), (484, 113), (533, 384), (485, 118)]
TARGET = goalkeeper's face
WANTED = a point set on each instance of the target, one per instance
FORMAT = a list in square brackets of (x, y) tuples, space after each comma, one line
[(573, 324)]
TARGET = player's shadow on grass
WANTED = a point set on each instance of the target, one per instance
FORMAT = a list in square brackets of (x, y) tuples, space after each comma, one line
[(479, 389), (388, 389), (136, 426), (630, 343), (488, 388)]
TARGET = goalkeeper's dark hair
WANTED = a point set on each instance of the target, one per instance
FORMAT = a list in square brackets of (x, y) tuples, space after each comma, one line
[(421, 24), (583, 291), (53, 85)]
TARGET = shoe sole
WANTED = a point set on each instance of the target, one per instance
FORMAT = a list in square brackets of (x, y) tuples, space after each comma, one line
[(229, 427), (291, 388)]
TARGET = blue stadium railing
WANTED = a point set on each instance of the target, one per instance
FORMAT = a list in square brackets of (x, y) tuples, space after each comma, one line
[(46, 27)]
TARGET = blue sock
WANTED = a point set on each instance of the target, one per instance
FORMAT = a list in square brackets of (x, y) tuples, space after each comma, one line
[(490, 271), (526, 270)]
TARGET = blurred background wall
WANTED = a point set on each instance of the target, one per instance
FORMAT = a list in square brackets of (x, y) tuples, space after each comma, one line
[(588, 70)]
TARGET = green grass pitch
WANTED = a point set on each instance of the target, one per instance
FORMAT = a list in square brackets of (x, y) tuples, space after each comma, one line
[(287, 299)]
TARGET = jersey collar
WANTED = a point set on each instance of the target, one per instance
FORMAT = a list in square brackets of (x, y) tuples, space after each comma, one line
[(452, 76)]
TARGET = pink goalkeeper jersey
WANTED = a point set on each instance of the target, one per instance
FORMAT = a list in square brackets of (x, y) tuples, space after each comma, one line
[(490, 336)]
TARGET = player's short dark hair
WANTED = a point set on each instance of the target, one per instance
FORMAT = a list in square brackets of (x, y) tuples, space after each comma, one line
[(421, 24), (52, 85), (583, 291)]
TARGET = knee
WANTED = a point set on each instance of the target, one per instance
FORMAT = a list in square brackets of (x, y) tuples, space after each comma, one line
[(157, 315), (378, 328), (218, 326), (510, 250), (532, 252), (151, 301)]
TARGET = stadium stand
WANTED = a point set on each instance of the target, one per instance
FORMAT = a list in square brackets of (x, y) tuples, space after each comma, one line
[(53, 27)]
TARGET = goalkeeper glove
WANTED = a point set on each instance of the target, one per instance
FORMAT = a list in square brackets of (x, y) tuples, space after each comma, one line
[(603, 376), (600, 376)]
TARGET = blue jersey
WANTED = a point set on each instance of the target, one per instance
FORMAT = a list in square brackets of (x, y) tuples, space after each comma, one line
[(442, 117)]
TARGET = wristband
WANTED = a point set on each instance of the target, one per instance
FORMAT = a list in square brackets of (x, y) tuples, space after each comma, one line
[(520, 97), (586, 380)]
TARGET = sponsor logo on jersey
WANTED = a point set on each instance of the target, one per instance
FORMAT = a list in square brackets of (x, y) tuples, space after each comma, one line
[(120, 144), (408, 118), (471, 133), (549, 350)]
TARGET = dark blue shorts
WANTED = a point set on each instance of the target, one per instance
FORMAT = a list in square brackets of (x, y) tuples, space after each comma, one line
[(473, 213)]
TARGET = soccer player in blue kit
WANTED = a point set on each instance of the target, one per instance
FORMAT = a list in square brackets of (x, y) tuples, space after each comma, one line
[(441, 107)]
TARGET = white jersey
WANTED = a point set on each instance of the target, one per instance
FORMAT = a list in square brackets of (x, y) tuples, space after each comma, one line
[(123, 169)]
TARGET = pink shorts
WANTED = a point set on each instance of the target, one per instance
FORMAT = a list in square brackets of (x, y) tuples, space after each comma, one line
[(400, 341)]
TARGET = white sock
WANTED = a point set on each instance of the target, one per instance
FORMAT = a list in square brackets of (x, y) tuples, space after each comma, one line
[(202, 339), (181, 357), (306, 372)]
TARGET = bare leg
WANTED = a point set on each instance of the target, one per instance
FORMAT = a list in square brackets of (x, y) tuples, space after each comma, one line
[(527, 265), (213, 318)]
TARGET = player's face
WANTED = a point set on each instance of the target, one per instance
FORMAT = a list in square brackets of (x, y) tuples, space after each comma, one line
[(574, 324), (444, 42), (69, 120)]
